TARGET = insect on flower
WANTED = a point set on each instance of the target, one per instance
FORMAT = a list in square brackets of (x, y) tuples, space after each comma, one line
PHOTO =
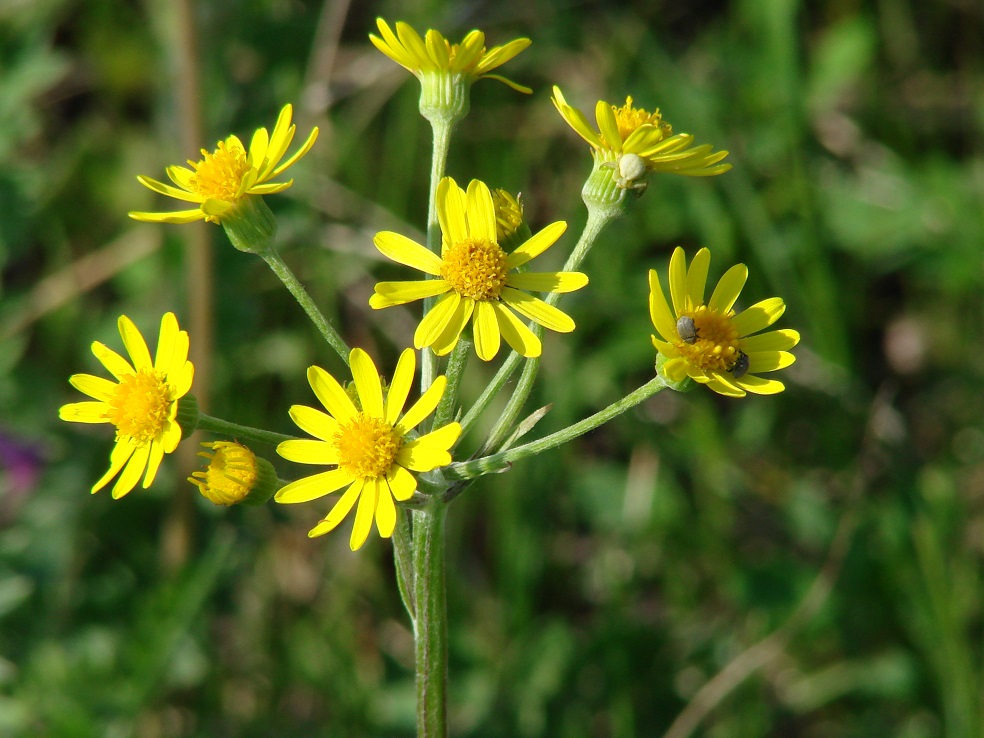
[(687, 329), (630, 172), (740, 367)]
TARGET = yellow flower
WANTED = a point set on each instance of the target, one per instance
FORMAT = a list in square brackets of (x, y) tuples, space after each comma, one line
[(234, 474), (228, 176), (476, 279), (368, 444), (630, 132), (707, 341), (434, 54), (142, 403)]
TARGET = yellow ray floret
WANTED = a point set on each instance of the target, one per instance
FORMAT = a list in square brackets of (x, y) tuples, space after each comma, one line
[(142, 402), (475, 279), (222, 178), (628, 130), (367, 443), (707, 341), (434, 54)]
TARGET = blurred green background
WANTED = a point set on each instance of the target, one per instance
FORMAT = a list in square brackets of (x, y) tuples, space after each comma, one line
[(801, 565)]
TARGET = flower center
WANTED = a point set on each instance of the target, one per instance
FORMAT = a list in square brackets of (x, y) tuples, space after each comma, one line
[(230, 475), (630, 118), (366, 446), (716, 347), (220, 173), (475, 268), (141, 405)]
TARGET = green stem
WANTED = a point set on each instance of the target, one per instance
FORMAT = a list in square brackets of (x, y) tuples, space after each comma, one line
[(280, 268), (441, 128), (403, 558), (430, 625), (244, 432), (501, 461), (456, 367), (598, 218)]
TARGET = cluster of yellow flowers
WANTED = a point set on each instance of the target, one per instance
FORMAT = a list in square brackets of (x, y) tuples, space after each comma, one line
[(479, 277)]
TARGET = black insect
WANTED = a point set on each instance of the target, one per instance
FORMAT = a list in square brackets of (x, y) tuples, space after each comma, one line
[(740, 367)]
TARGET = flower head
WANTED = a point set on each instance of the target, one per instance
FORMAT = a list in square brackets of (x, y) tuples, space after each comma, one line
[(707, 341), (234, 474), (369, 445), (476, 279), (142, 403), (434, 54), (224, 179), (630, 132)]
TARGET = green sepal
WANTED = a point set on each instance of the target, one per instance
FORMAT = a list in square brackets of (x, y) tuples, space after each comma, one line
[(251, 225)]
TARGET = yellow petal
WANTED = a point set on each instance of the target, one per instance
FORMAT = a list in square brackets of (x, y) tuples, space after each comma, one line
[(448, 338), (389, 294), (135, 344), (340, 510), (84, 412), (758, 316), (537, 310), (536, 245), (608, 126), (409, 253), (313, 487), (153, 462), (659, 312), (385, 510), (759, 386), (116, 364), (364, 514), (697, 279), (728, 288), (678, 283), (367, 383), (781, 340), (131, 473), (485, 328), (423, 407), (399, 388), (330, 393), (95, 387), (118, 458), (307, 451), (480, 211), (401, 482), (547, 281), (318, 424), (451, 213), (519, 337), (434, 322)]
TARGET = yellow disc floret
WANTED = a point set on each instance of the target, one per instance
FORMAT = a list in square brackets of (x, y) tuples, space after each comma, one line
[(366, 446), (716, 346), (219, 175), (140, 406), (630, 118), (475, 268)]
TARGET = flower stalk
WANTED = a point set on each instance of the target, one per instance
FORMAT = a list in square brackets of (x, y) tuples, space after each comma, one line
[(500, 461), (325, 328), (431, 622)]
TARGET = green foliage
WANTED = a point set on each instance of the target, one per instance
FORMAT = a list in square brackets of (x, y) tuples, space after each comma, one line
[(595, 590)]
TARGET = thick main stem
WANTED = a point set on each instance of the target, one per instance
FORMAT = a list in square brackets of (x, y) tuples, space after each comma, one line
[(430, 625)]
